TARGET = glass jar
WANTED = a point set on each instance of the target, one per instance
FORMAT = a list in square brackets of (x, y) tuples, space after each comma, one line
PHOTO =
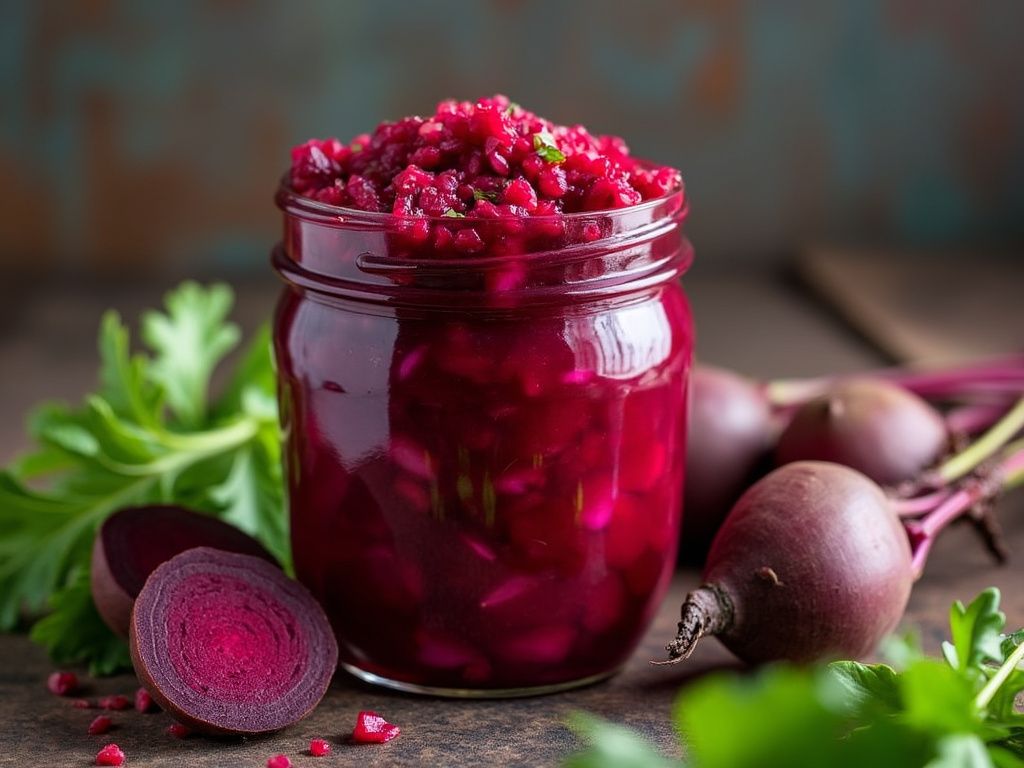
[(484, 452)]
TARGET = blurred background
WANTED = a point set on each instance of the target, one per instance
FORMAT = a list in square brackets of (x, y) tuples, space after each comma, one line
[(855, 167), (148, 136)]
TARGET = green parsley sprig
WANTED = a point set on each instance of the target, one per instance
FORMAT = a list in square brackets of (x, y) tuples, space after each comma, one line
[(153, 433), (956, 712)]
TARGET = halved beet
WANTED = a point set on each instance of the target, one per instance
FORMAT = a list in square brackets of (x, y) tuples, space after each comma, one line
[(228, 644), (134, 541)]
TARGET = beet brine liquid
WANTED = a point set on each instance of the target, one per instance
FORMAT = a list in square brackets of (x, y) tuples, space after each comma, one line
[(483, 348)]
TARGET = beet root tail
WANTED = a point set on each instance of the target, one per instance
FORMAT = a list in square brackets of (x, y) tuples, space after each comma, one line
[(706, 611)]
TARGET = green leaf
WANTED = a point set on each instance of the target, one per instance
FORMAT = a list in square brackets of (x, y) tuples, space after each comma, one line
[(975, 631), (480, 194), (188, 341), (75, 633), (451, 213), (938, 699), (255, 373), (124, 379), (1008, 644), (961, 750), (250, 498), (865, 686), (545, 147), (612, 746), (725, 722)]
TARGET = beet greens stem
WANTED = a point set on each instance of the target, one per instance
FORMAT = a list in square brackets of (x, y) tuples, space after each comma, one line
[(920, 505), (984, 447), (1008, 474), (992, 686)]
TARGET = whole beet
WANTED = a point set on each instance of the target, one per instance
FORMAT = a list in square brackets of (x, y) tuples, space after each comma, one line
[(729, 434), (873, 426), (811, 563)]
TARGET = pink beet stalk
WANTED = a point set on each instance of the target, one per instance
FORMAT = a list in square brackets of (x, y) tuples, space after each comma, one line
[(1002, 377), (1008, 473)]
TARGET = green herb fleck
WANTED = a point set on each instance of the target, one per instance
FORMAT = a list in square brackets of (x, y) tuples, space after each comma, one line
[(481, 194), (451, 213), (544, 144)]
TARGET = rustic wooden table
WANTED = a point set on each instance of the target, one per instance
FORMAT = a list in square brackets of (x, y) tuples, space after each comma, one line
[(756, 323)]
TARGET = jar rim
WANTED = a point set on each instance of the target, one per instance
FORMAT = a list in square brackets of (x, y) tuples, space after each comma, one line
[(290, 201)]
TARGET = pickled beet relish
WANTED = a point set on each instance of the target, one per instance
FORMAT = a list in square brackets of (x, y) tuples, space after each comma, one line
[(484, 492), (488, 160)]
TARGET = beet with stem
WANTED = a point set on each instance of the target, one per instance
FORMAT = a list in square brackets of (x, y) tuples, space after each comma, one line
[(871, 425), (811, 562), (228, 644), (132, 542), (815, 560)]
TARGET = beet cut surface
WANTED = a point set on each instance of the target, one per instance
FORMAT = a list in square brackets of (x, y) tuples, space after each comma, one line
[(134, 541), (228, 644)]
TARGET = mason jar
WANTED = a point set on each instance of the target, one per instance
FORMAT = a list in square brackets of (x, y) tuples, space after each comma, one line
[(484, 452)]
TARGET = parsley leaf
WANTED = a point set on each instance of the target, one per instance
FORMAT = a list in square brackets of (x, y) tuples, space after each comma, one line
[(544, 145), (975, 632), (451, 213), (152, 433), (190, 339)]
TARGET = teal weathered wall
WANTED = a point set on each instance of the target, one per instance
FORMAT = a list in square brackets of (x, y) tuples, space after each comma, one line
[(151, 133)]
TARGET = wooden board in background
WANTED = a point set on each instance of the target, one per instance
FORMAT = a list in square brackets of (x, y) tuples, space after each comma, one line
[(923, 309)]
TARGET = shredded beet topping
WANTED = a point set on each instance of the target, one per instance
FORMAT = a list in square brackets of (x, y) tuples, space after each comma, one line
[(492, 159)]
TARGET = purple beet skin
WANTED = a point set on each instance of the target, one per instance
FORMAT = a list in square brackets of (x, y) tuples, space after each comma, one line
[(729, 435), (134, 541), (871, 425), (228, 644), (811, 563)]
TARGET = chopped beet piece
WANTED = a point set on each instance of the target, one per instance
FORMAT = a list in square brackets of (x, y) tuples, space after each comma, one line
[(279, 761), (133, 542), (178, 731), (371, 728), (319, 747), (110, 755), (116, 703), (489, 159), (144, 702), (228, 644), (62, 683), (100, 725)]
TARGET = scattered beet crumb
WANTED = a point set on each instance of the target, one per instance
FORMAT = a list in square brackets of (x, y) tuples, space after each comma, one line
[(110, 755), (371, 728), (144, 702), (319, 747), (62, 683), (82, 704), (100, 725), (116, 703), (178, 731), (279, 761)]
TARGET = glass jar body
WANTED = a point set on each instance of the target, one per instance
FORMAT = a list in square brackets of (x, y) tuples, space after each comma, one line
[(485, 499)]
